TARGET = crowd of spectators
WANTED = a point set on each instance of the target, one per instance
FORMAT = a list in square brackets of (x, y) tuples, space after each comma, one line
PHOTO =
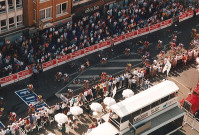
[(31, 51), (106, 87)]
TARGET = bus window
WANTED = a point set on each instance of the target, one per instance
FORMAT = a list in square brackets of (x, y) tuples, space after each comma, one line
[(125, 118), (155, 104), (164, 99), (146, 108), (136, 113), (171, 95)]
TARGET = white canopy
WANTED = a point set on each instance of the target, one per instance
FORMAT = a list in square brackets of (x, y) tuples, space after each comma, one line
[(104, 129), (144, 98)]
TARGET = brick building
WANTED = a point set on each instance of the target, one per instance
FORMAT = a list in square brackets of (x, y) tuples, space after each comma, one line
[(11, 15), (45, 13)]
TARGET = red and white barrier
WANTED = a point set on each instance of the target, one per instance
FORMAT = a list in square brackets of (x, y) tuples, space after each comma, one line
[(77, 54), (143, 31), (104, 45), (9, 79), (197, 12), (119, 39), (91, 49), (63, 59), (50, 64), (166, 23), (25, 74), (131, 35), (186, 16), (155, 27)]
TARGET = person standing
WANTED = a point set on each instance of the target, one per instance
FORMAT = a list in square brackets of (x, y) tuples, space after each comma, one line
[(133, 80)]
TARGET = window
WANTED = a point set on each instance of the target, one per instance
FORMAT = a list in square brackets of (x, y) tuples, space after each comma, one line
[(19, 20), (35, 15), (164, 99), (42, 14), (11, 22), (41, 1), (2, 6), (3, 25), (61, 8), (10, 4), (155, 104), (48, 12), (45, 13), (18, 3), (146, 108)]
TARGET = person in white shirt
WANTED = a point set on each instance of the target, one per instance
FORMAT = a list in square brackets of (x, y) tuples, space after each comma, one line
[(66, 77), (133, 80), (147, 82)]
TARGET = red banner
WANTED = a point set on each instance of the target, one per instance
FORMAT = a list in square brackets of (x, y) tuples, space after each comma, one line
[(49, 64), (104, 44), (166, 23), (143, 31), (63, 59), (8, 79), (91, 49), (183, 17), (191, 13), (131, 35), (155, 27), (119, 39), (77, 53), (25, 74), (197, 12)]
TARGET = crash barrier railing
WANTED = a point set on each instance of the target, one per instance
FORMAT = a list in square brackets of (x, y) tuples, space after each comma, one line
[(94, 48), (191, 120)]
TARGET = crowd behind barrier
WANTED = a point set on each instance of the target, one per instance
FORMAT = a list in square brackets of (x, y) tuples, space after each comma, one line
[(142, 27), (107, 87)]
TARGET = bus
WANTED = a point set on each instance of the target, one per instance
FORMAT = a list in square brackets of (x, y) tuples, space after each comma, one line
[(154, 111)]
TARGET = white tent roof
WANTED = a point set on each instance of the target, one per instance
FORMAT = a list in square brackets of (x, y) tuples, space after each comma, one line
[(104, 129), (144, 98)]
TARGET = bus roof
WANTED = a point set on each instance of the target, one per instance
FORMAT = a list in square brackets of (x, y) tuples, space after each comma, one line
[(144, 98)]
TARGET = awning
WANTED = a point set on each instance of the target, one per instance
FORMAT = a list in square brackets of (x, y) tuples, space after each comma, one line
[(104, 129)]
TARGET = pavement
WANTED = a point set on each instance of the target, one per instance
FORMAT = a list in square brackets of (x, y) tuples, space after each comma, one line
[(46, 85)]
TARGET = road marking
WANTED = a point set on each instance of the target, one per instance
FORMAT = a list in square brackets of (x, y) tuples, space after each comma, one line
[(106, 68), (181, 84), (197, 25), (177, 33), (74, 85), (89, 76), (125, 60)]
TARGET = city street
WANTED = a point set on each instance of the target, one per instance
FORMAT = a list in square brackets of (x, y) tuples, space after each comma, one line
[(49, 88)]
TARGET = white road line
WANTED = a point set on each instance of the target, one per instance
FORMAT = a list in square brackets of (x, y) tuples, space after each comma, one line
[(181, 84), (197, 25), (89, 76), (106, 68), (125, 60), (74, 85), (177, 33)]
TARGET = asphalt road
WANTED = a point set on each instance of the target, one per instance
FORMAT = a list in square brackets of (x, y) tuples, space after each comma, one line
[(46, 85)]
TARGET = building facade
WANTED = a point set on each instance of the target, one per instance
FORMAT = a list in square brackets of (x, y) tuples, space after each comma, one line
[(45, 13), (11, 15)]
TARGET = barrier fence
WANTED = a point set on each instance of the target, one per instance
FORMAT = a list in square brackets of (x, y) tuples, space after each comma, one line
[(94, 48), (191, 120)]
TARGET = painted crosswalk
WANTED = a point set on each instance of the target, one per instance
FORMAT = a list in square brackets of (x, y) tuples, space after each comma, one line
[(74, 85), (126, 60), (106, 68), (30, 97), (89, 76)]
